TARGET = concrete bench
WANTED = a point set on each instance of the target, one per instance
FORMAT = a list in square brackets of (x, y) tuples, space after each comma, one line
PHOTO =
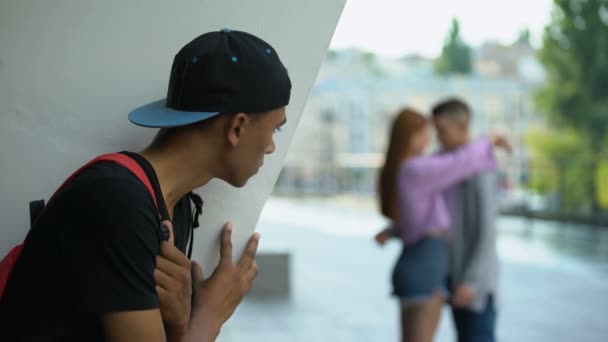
[(274, 277)]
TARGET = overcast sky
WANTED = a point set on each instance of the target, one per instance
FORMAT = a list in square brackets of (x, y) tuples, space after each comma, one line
[(396, 27)]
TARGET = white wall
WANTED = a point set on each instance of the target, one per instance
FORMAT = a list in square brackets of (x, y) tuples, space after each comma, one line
[(71, 70)]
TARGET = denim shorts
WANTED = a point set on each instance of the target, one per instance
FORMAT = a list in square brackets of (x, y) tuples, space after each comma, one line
[(421, 270)]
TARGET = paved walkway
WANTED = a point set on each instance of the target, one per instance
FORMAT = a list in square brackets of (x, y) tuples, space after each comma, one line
[(341, 282)]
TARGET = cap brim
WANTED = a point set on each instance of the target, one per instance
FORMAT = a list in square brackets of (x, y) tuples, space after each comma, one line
[(158, 115)]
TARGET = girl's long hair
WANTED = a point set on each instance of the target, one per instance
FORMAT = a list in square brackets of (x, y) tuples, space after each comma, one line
[(405, 125)]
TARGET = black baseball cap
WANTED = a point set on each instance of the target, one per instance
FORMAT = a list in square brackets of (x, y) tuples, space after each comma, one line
[(219, 72)]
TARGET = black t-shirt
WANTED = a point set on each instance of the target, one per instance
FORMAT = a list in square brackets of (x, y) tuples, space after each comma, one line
[(93, 250)]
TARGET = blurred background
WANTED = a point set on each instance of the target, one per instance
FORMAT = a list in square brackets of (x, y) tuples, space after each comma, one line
[(536, 70)]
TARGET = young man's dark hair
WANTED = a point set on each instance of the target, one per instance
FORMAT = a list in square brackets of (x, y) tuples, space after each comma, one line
[(451, 118), (451, 107), (95, 266)]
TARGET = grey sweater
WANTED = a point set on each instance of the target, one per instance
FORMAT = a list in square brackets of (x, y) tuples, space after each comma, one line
[(472, 257)]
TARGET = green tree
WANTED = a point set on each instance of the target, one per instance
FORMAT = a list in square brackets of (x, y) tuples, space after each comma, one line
[(575, 95), (371, 63), (332, 55), (456, 54), (524, 37), (602, 182), (560, 164), (557, 166)]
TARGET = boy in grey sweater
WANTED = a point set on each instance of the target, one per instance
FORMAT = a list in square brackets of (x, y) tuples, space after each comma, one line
[(473, 261)]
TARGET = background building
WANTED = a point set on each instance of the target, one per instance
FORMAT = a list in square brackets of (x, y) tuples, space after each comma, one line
[(344, 130)]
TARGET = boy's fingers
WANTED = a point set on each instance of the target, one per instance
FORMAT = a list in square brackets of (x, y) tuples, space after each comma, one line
[(226, 244), (162, 293), (173, 254), (250, 252), (162, 279), (252, 273), (197, 273)]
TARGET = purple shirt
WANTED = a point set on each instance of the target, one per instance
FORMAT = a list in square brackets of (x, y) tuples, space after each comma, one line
[(423, 179)]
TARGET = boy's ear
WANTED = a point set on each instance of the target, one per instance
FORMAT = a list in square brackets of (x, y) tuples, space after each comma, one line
[(236, 127)]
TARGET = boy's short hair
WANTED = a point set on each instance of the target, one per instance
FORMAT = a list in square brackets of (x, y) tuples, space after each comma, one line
[(451, 107)]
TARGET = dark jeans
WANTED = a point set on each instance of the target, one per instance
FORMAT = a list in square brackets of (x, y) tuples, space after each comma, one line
[(475, 327)]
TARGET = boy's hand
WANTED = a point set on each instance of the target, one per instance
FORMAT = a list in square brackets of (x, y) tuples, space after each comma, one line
[(216, 298), (501, 141), (173, 278), (463, 296), (384, 235)]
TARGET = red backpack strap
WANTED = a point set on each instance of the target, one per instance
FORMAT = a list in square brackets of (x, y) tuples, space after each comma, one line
[(166, 227), (121, 159), (7, 265), (133, 166)]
